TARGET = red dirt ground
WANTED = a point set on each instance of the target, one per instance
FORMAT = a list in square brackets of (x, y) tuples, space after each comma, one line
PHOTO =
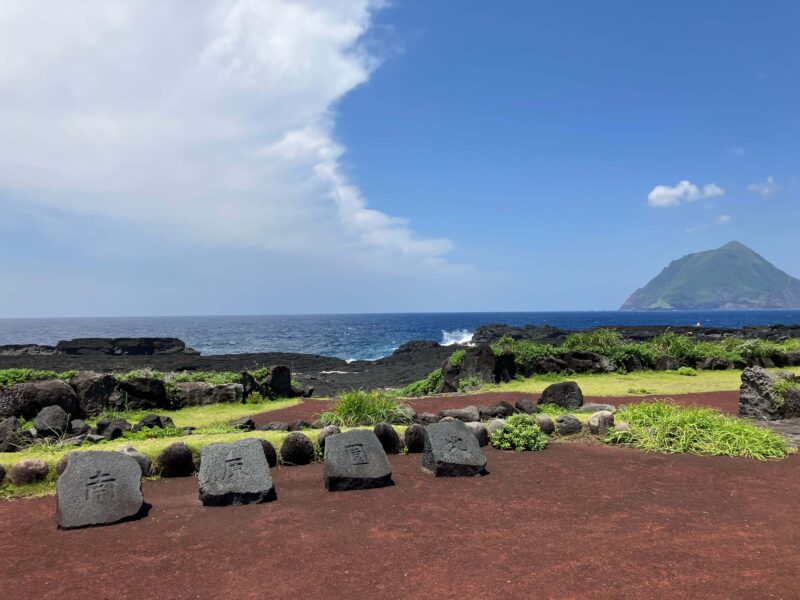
[(575, 521), (309, 410)]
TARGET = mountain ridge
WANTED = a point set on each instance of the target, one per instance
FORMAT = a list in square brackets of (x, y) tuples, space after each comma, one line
[(729, 277)]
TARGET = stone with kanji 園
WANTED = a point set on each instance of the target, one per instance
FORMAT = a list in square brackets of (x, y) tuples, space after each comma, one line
[(235, 473), (355, 460), (98, 488)]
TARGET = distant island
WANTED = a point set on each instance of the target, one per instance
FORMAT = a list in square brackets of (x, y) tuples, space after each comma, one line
[(730, 277)]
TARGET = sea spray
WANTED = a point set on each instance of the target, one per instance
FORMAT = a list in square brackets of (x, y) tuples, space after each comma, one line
[(457, 336)]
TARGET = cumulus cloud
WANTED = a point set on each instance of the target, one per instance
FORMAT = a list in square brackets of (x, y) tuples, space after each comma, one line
[(212, 121), (765, 188), (663, 196)]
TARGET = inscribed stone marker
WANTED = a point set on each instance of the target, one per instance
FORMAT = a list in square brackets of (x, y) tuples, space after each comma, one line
[(235, 473), (355, 460)]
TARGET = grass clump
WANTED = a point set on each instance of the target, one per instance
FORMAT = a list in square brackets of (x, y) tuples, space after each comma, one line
[(358, 407), (212, 377), (687, 372), (136, 373), (9, 377), (667, 427), (525, 352), (521, 433), (456, 358), (782, 387), (430, 385)]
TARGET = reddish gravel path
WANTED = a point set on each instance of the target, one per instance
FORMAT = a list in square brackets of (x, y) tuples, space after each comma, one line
[(309, 410), (575, 521)]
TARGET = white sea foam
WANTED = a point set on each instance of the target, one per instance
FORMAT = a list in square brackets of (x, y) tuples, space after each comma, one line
[(457, 336)]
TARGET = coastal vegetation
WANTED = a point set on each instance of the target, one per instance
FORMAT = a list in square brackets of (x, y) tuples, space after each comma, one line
[(358, 407), (670, 428), (521, 433)]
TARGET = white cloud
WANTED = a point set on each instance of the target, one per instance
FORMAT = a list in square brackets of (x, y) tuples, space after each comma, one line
[(766, 188), (718, 222), (211, 121), (723, 219), (663, 196)]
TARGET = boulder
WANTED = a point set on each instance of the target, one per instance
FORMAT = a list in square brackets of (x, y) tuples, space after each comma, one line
[(201, 393), (146, 346), (479, 363), (235, 473), (326, 432), (93, 438), (278, 382), (480, 432), (302, 391), (566, 395), (274, 426), (299, 425), (451, 450), (269, 453), (78, 427), (355, 460), (622, 426), (388, 438), (490, 412), (249, 385), (427, 418), (466, 414), (11, 436), (244, 424), (588, 362), (153, 421), (144, 393), (176, 460), (495, 425), (145, 464), (667, 363), (98, 488), (593, 407), (2, 474), (52, 421), (793, 358), (112, 429), (25, 400), (415, 438), (546, 424), (409, 415), (527, 406), (567, 424), (769, 396), (28, 471), (96, 393), (297, 449), (712, 363), (547, 364), (600, 422), (62, 464)]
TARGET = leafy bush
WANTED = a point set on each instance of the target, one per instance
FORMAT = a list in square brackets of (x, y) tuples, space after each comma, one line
[(667, 427), (430, 385), (256, 398), (782, 387), (9, 377), (673, 344), (602, 341), (687, 372), (520, 433), (456, 358), (467, 382), (358, 407), (212, 377), (525, 352)]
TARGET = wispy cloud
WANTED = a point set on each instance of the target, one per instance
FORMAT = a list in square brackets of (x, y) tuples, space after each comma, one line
[(210, 121), (664, 196), (718, 222), (736, 150), (765, 188)]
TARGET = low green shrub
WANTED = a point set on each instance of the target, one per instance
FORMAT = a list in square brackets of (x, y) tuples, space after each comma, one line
[(687, 372), (602, 341), (667, 427), (424, 387), (139, 373), (358, 407), (782, 387), (148, 433), (212, 377), (456, 358), (520, 433), (525, 352), (256, 398), (9, 377), (468, 382)]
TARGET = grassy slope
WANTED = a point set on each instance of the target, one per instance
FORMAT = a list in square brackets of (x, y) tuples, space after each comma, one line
[(634, 384)]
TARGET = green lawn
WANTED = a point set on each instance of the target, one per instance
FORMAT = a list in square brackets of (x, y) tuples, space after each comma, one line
[(638, 383)]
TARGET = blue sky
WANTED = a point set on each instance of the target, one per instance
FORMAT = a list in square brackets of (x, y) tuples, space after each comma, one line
[(284, 157)]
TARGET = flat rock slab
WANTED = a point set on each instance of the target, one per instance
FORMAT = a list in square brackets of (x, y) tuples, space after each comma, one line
[(355, 460), (98, 488), (451, 450), (235, 473)]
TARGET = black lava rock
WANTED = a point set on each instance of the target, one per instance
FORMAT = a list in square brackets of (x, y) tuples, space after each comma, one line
[(2, 474), (325, 433), (244, 424), (112, 429), (297, 449), (526, 405), (79, 427), (388, 438), (153, 421), (299, 425), (270, 453), (176, 460), (566, 395), (415, 438), (567, 425)]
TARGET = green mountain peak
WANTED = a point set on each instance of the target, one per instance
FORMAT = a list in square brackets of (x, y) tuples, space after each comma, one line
[(730, 277)]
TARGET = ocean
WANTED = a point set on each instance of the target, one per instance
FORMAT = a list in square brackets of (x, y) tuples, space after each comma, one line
[(351, 337)]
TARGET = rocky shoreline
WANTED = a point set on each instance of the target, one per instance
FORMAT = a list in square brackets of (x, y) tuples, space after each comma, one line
[(328, 375)]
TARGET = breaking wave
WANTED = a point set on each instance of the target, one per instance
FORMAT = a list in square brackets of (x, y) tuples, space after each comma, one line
[(457, 336)]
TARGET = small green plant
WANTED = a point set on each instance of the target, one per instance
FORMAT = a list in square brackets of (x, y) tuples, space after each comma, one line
[(687, 372), (256, 398), (430, 385), (149, 433), (358, 407), (140, 373), (520, 433), (667, 427), (469, 382), (783, 387), (638, 391), (9, 377), (457, 357)]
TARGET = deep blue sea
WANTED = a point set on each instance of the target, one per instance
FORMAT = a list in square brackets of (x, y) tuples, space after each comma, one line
[(351, 337)]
